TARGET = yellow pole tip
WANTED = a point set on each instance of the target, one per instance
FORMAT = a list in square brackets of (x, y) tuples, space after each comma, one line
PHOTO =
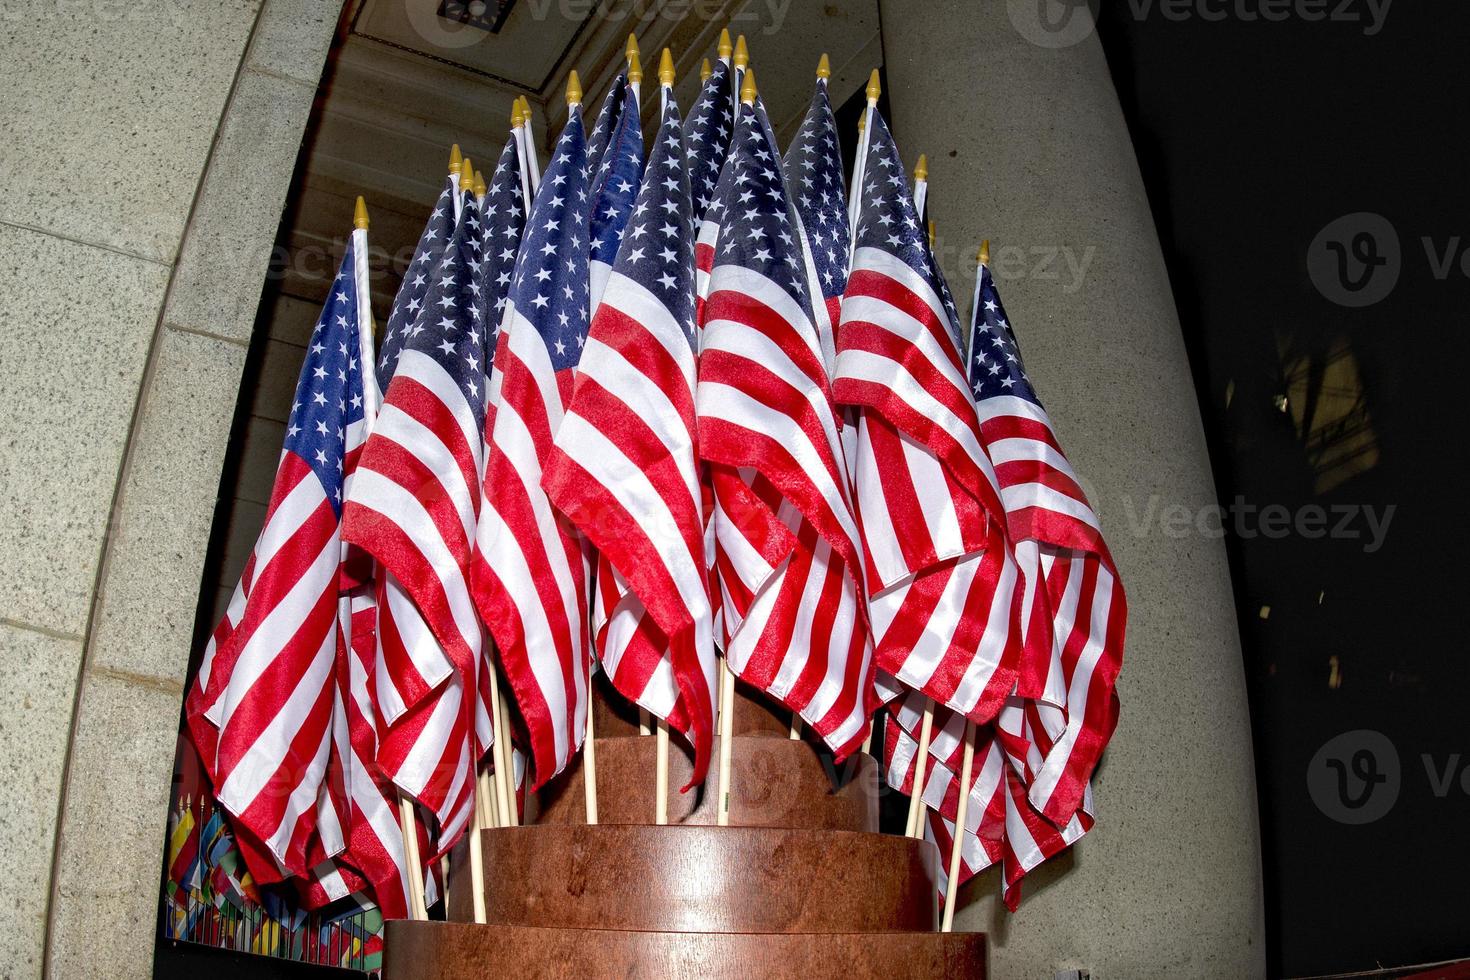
[(875, 87), (985, 252), (635, 68), (666, 67), (515, 114), (479, 184), (466, 175), (862, 122), (824, 66), (574, 89), (705, 71), (359, 213), (747, 88), (921, 172), (725, 46), (632, 49), (454, 159), (742, 52)]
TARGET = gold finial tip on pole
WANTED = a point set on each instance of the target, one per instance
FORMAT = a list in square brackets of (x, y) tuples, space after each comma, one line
[(705, 71), (359, 214), (985, 252), (666, 67), (479, 184), (875, 87), (454, 159), (466, 175), (747, 88), (824, 66), (574, 89), (862, 122), (631, 51), (635, 68), (515, 114), (921, 172), (742, 52), (725, 46)]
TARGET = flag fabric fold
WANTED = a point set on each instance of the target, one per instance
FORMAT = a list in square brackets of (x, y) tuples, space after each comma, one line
[(625, 468)]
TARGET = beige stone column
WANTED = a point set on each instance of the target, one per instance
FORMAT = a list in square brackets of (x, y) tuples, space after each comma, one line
[(148, 150), (1028, 147)]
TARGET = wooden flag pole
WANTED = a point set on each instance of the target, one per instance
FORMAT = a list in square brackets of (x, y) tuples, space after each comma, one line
[(795, 735), (477, 874), (952, 889), (411, 859), (589, 766), (727, 736), (916, 799), (661, 776), (502, 756)]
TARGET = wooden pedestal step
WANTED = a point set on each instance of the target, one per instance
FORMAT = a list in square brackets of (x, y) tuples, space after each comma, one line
[(703, 879), (775, 782), (459, 951)]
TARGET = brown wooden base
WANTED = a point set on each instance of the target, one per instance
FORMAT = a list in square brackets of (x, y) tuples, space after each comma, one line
[(461, 951)]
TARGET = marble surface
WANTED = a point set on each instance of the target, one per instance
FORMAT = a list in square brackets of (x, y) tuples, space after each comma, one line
[(110, 111), (148, 592), (35, 726), (76, 341)]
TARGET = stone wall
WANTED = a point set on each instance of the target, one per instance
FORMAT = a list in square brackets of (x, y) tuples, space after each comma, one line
[(148, 150)]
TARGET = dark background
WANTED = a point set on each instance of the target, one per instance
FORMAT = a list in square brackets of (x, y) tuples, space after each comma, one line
[(1252, 137)]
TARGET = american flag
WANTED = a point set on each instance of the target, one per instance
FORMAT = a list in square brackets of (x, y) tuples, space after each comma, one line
[(1072, 706), (707, 134), (943, 583), (607, 120), (814, 175), (414, 505), (785, 532), (626, 470), (532, 587), (409, 302), (266, 686), (614, 186)]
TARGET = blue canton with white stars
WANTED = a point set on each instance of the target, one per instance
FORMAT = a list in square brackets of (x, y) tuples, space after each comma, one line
[(658, 252), (617, 183), (707, 136), (502, 219), (814, 176), (448, 331), (995, 360), (410, 299), (550, 287), (888, 220), (607, 118), (756, 232), (329, 392)]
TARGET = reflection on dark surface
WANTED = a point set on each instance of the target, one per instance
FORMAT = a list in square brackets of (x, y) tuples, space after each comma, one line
[(1347, 415)]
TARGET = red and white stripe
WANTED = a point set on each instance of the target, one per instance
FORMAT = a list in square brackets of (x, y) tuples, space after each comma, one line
[(945, 591), (625, 470), (414, 507), (533, 584)]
